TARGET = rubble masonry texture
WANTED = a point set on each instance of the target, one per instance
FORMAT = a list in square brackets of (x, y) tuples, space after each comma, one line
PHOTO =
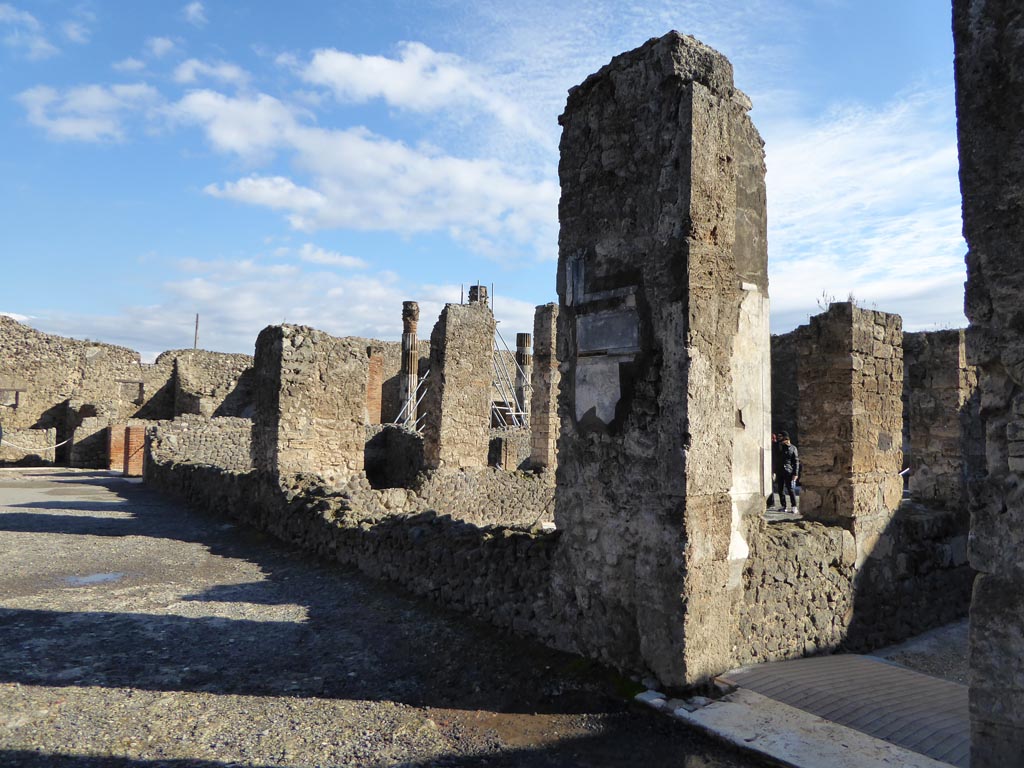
[(988, 40)]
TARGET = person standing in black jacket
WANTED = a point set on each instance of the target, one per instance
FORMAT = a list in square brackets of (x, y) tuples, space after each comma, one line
[(789, 470)]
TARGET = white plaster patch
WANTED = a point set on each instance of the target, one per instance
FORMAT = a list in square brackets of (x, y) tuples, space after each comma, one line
[(597, 387)]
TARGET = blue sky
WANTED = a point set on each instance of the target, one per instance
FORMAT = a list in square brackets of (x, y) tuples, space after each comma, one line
[(319, 163)]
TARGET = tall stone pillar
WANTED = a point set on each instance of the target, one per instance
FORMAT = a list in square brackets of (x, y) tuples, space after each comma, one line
[(310, 393), (659, 270), (410, 359), (851, 422), (988, 39), (523, 364), (544, 378), (478, 294), (457, 404)]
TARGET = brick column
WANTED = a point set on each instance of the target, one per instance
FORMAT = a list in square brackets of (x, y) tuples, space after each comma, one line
[(851, 422), (410, 359), (544, 424), (988, 39), (115, 447)]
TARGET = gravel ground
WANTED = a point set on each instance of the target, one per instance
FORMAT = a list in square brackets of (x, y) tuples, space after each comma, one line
[(135, 634), (941, 652)]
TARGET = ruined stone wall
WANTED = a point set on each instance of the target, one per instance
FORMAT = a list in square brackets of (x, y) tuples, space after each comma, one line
[(310, 414), (851, 420), (660, 170), (785, 383), (497, 574), (64, 379), (509, 448), (803, 593), (487, 496), (31, 446), (458, 400), (212, 383), (393, 456), (942, 424), (989, 67), (545, 378), (219, 442)]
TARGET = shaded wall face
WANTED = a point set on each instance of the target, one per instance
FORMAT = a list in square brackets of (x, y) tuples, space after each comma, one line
[(785, 384), (650, 296), (457, 405), (989, 68), (310, 402), (942, 424)]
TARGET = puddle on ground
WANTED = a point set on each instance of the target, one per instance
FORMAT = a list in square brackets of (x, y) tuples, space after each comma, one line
[(93, 578)]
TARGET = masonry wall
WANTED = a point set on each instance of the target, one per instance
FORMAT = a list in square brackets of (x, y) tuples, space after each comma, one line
[(989, 71), (498, 574), (851, 417), (942, 423), (457, 405), (509, 448), (804, 594), (310, 413), (212, 383), (785, 352), (222, 442), (651, 280), (29, 446)]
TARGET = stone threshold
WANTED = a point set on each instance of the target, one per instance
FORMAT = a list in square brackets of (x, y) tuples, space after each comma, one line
[(787, 735)]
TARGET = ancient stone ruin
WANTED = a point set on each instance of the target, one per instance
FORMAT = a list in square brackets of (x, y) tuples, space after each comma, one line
[(601, 486), (989, 65)]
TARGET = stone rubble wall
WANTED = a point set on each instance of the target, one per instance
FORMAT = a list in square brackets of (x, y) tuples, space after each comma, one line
[(941, 421), (393, 456), (785, 384), (212, 383), (496, 573), (310, 414), (804, 595), (988, 38), (39, 443), (222, 442), (509, 448), (488, 496)]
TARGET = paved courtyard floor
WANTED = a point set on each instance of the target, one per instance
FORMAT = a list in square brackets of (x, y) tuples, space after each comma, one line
[(135, 634)]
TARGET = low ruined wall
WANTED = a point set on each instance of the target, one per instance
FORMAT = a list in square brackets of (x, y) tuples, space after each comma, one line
[(213, 383), (488, 496), (29, 446), (509, 448), (89, 443), (393, 456), (221, 442), (803, 595), (497, 574)]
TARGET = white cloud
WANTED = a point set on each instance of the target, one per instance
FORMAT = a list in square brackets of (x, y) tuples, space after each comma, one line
[(85, 113), (158, 47), (360, 180), (250, 126), (76, 32), (274, 192), (866, 201), (420, 79), (129, 64), (16, 316), (316, 255), (195, 14), (24, 33), (192, 69)]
